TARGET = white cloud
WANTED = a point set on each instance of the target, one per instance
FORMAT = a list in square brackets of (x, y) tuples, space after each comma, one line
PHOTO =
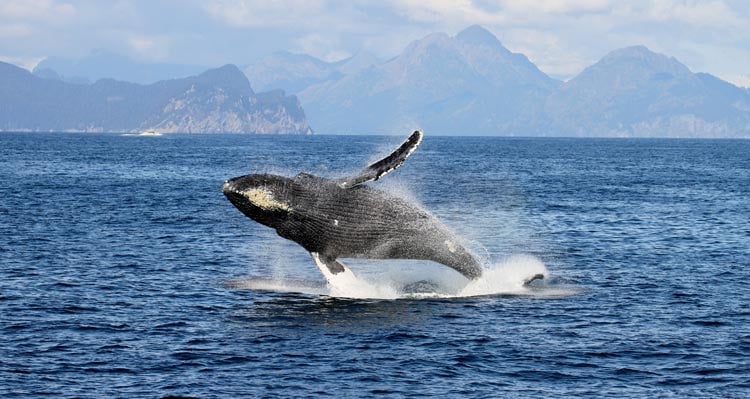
[(35, 9), (739, 80), (698, 13), (446, 12), (264, 14), (504, 12), (557, 6), (15, 30), (150, 47), (560, 36), (327, 48), (547, 51), (702, 14)]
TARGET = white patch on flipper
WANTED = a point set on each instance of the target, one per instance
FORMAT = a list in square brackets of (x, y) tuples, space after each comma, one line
[(335, 222), (451, 246)]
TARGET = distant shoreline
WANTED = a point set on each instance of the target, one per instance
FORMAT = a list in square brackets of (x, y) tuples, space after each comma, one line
[(136, 134)]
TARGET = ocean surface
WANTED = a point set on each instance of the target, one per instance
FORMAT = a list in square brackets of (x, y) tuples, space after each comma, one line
[(124, 272)]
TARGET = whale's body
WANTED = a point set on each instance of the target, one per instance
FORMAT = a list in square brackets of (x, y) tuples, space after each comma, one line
[(344, 218)]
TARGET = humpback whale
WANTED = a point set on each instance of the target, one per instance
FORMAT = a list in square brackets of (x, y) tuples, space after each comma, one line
[(346, 218)]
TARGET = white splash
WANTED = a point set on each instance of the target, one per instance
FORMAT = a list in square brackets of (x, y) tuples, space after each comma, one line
[(503, 278), (507, 277), (347, 285)]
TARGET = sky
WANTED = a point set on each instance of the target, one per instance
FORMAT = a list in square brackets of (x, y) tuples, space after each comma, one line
[(562, 37)]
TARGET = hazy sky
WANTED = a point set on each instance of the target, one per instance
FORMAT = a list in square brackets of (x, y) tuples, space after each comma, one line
[(560, 36)]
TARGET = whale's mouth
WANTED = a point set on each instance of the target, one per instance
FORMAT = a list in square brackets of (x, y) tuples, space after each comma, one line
[(233, 193), (230, 187)]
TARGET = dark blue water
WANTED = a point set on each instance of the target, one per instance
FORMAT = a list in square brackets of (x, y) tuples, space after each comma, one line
[(120, 261)]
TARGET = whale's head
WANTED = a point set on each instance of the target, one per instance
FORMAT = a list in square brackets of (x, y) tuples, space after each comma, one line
[(261, 197)]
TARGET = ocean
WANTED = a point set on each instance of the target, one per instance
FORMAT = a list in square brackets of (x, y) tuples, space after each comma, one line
[(125, 272)]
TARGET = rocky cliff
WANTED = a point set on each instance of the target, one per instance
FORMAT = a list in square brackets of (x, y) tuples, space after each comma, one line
[(216, 101)]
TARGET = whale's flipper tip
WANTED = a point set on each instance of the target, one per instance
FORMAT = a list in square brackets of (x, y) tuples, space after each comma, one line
[(385, 165), (538, 276)]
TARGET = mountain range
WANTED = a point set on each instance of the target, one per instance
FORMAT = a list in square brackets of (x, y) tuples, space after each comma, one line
[(636, 92), (470, 84), (464, 85), (218, 100)]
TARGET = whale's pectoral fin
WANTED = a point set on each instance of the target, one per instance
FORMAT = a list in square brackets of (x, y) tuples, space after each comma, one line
[(328, 266), (385, 165)]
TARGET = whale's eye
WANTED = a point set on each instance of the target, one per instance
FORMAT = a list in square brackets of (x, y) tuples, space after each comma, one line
[(264, 199)]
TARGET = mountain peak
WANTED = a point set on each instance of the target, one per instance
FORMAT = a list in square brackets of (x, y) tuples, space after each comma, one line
[(288, 56), (637, 51), (436, 37), (8, 70), (640, 57), (476, 34), (227, 76)]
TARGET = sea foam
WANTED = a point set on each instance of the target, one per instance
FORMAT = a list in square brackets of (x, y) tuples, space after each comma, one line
[(506, 277)]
